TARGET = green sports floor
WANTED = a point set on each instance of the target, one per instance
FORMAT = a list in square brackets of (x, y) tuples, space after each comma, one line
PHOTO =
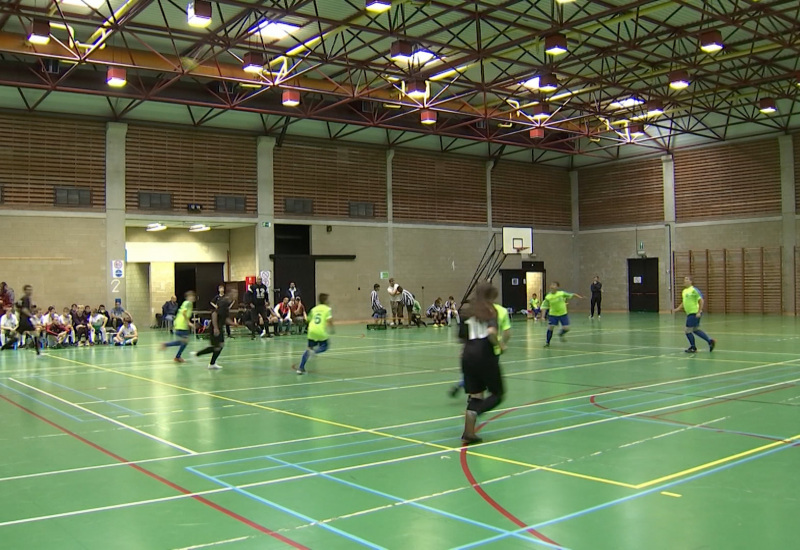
[(614, 439)]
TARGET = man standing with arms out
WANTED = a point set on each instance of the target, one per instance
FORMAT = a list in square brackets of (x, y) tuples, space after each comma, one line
[(692, 303), (555, 302), (394, 301), (219, 318), (597, 296), (181, 325), (260, 299), (319, 326)]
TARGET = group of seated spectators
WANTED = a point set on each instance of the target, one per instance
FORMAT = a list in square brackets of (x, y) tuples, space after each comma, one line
[(77, 325)]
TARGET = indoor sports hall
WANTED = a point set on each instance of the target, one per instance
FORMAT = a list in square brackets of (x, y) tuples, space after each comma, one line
[(221, 176)]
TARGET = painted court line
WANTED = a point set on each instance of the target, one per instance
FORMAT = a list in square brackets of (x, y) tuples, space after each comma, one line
[(108, 419), (97, 399)]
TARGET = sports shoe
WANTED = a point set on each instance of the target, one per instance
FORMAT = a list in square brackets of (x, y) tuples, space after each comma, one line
[(453, 391), (301, 371), (465, 441), (691, 349), (215, 366), (179, 360), (711, 345), (547, 345)]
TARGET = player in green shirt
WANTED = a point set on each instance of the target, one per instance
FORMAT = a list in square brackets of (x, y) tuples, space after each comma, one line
[(555, 303), (534, 307), (692, 303), (181, 325), (320, 323)]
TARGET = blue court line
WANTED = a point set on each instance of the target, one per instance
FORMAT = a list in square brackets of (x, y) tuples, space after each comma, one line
[(402, 501), (289, 511), (94, 397), (43, 403), (621, 500)]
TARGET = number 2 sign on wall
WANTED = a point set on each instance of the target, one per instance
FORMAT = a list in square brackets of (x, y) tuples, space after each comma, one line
[(117, 274)]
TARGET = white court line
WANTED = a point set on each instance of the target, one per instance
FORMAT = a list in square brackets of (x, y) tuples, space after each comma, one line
[(108, 419), (367, 465), (210, 544)]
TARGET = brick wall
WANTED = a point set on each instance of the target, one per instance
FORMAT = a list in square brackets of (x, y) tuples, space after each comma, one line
[(137, 292), (531, 195), (242, 253)]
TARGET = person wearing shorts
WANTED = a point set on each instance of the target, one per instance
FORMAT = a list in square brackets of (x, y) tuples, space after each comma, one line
[(320, 325), (219, 319), (394, 302), (555, 303), (180, 324), (692, 303)]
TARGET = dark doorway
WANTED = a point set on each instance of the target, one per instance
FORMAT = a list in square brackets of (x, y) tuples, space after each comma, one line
[(300, 270), (643, 284), (203, 278), (515, 290)]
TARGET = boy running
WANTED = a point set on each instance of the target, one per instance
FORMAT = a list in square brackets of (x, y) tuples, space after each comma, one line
[(319, 327), (692, 303), (181, 325), (555, 302), (219, 319)]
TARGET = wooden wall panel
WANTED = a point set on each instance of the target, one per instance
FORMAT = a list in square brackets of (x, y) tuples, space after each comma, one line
[(39, 154), (531, 195), (332, 175), (194, 166), (740, 180), (739, 280), (441, 188), (796, 144), (630, 193)]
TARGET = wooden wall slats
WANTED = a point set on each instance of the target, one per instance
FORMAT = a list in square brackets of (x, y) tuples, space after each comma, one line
[(440, 188), (796, 145), (194, 166), (728, 181), (531, 195), (39, 154), (738, 280), (631, 193), (331, 175)]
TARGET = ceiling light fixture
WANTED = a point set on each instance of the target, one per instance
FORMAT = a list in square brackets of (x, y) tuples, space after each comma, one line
[(536, 133), (427, 117), (378, 6), (548, 82), (532, 83), (253, 62), (767, 106), (564, 1), (626, 103), (541, 112), (199, 228), (679, 80), (655, 107), (635, 131), (416, 89), (116, 77), (405, 51), (94, 4), (291, 98), (198, 13), (39, 32), (272, 29), (555, 44), (156, 227), (711, 41)]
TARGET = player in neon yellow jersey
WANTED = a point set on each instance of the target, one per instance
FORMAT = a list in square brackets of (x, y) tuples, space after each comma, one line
[(555, 303), (692, 303), (534, 308), (181, 325), (320, 324)]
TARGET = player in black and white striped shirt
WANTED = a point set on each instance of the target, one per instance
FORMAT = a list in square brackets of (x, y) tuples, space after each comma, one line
[(436, 312), (451, 310), (407, 300), (378, 311)]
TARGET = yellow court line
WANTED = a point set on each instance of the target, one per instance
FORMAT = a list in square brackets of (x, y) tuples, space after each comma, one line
[(667, 493), (355, 429), (717, 462)]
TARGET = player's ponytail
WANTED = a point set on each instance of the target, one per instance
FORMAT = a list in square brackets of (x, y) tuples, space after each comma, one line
[(482, 307)]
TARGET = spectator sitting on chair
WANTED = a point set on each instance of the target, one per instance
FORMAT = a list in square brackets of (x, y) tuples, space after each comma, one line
[(66, 320), (127, 334), (117, 314), (271, 320), (378, 311), (416, 314), (97, 322), (101, 309), (299, 316), (54, 328), (168, 312), (80, 322), (284, 313), (8, 326), (7, 296)]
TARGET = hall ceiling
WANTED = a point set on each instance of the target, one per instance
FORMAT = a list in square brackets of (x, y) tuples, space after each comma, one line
[(484, 57)]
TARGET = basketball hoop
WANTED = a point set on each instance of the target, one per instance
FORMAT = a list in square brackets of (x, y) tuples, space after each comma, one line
[(520, 249)]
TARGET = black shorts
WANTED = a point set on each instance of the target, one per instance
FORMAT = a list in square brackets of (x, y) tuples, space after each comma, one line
[(481, 368), (23, 327)]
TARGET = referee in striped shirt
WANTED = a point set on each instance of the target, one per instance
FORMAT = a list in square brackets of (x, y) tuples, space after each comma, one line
[(406, 299)]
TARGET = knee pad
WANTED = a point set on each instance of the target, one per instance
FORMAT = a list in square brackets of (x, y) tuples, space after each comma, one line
[(474, 404)]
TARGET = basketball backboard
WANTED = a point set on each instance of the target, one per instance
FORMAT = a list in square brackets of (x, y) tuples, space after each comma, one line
[(517, 240)]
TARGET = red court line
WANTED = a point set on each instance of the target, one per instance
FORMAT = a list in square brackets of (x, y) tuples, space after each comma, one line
[(165, 481)]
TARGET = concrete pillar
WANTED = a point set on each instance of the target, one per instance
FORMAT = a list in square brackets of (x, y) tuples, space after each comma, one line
[(265, 175), (789, 226), (389, 214), (115, 210), (576, 228), (668, 174), (489, 166)]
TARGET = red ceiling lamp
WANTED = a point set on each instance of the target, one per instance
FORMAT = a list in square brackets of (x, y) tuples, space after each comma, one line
[(711, 41), (416, 89), (401, 49), (679, 80), (198, 13), (427, 117), (253, 62), (767, 106), (654, 107), (39, 32), (116, 77), (555, 44), (548, 82), (536, 133), (291, 98), (635, 131)]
